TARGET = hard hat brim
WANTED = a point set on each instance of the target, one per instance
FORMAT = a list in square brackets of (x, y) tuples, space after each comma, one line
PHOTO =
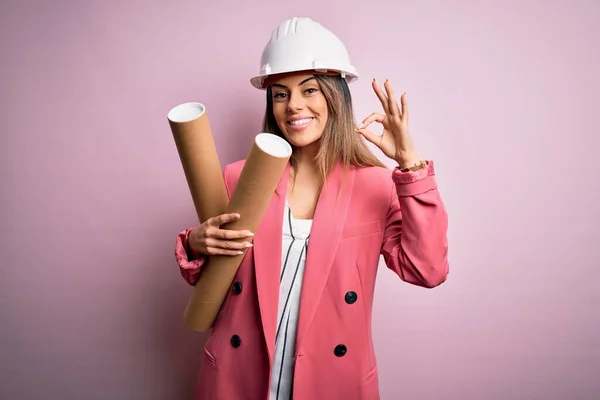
[(263, 81)]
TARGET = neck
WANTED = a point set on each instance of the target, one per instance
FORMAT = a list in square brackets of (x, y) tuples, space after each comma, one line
[(305, 161)]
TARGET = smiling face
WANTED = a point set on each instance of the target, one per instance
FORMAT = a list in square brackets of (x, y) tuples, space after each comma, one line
[(299, 108)]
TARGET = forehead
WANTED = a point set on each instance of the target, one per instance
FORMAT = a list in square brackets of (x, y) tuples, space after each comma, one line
[(291, 79)]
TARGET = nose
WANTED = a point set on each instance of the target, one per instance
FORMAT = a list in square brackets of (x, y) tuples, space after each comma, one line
[(295, 102)]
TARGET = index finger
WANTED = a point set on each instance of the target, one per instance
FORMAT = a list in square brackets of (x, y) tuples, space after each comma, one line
[(223, 219), (374, 117)]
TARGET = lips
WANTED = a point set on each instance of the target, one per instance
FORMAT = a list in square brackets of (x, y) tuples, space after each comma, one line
[(300, 121), (299, 124)]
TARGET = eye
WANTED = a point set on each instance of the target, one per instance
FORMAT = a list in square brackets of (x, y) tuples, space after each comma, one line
[(279, 95), (310, 90)]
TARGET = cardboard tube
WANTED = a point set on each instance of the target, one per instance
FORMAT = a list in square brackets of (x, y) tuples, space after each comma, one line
[(198, 154), (254, 190)]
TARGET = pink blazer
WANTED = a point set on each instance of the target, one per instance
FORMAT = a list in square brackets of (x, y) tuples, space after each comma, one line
[(399, 215)]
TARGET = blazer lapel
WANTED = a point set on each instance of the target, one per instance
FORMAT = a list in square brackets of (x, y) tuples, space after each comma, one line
[(267, 261), (326, 231)]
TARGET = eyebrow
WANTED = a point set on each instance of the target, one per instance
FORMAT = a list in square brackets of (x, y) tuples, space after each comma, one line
[(301, 83)]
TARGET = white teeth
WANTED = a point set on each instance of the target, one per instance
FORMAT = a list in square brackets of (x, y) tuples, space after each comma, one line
[(301, 121)]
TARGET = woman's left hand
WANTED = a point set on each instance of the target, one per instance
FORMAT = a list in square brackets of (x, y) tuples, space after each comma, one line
[(395, 141)]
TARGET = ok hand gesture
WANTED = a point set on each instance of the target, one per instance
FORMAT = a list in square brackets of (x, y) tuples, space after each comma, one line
[(395, 141)]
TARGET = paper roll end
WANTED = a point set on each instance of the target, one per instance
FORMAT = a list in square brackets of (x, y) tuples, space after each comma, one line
[(186, 112), (273, 145)]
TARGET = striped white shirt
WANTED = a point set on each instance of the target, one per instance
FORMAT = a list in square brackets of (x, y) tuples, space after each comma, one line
[(296, 233)]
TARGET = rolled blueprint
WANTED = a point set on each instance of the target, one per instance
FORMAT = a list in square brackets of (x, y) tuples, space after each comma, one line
[(256, 186), (198, 154)]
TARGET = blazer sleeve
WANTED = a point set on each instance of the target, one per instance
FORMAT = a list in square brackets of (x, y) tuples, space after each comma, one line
[(415, 244), (190, 262)]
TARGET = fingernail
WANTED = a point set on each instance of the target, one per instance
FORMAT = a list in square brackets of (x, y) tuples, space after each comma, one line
[(249, 245), (249, 234), (240, 252)]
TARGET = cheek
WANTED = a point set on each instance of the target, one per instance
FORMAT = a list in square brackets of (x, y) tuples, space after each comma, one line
[(277, 111), (321, 106), (280, 115), (324, 114)]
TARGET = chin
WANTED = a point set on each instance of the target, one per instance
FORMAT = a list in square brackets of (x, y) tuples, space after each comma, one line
[(302, 138), (299, 139)]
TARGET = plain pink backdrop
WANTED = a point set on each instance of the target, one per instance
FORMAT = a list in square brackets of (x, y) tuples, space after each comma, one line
[(503, 96)]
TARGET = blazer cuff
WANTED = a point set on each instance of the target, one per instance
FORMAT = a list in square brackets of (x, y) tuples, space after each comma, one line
[(189, 261), (412, 183)]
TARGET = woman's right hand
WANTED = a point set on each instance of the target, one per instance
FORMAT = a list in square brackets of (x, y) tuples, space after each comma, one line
[(210, 239)]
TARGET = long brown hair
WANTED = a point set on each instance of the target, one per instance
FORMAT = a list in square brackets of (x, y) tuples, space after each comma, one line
[(339, 142)]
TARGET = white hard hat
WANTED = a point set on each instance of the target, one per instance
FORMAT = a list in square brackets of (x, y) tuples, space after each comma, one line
[(299, 44)]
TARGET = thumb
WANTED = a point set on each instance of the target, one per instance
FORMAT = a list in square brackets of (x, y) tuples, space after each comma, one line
[(370, 136)]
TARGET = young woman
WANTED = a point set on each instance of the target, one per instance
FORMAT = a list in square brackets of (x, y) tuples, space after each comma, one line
[(297, 320)]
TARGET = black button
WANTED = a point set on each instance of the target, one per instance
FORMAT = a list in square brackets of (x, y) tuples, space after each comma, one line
[(237, 288), (340, 350), (351, 297), (236, 341)]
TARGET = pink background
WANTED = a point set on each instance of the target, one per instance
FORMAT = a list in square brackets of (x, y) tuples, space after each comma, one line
[(503, 96)]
